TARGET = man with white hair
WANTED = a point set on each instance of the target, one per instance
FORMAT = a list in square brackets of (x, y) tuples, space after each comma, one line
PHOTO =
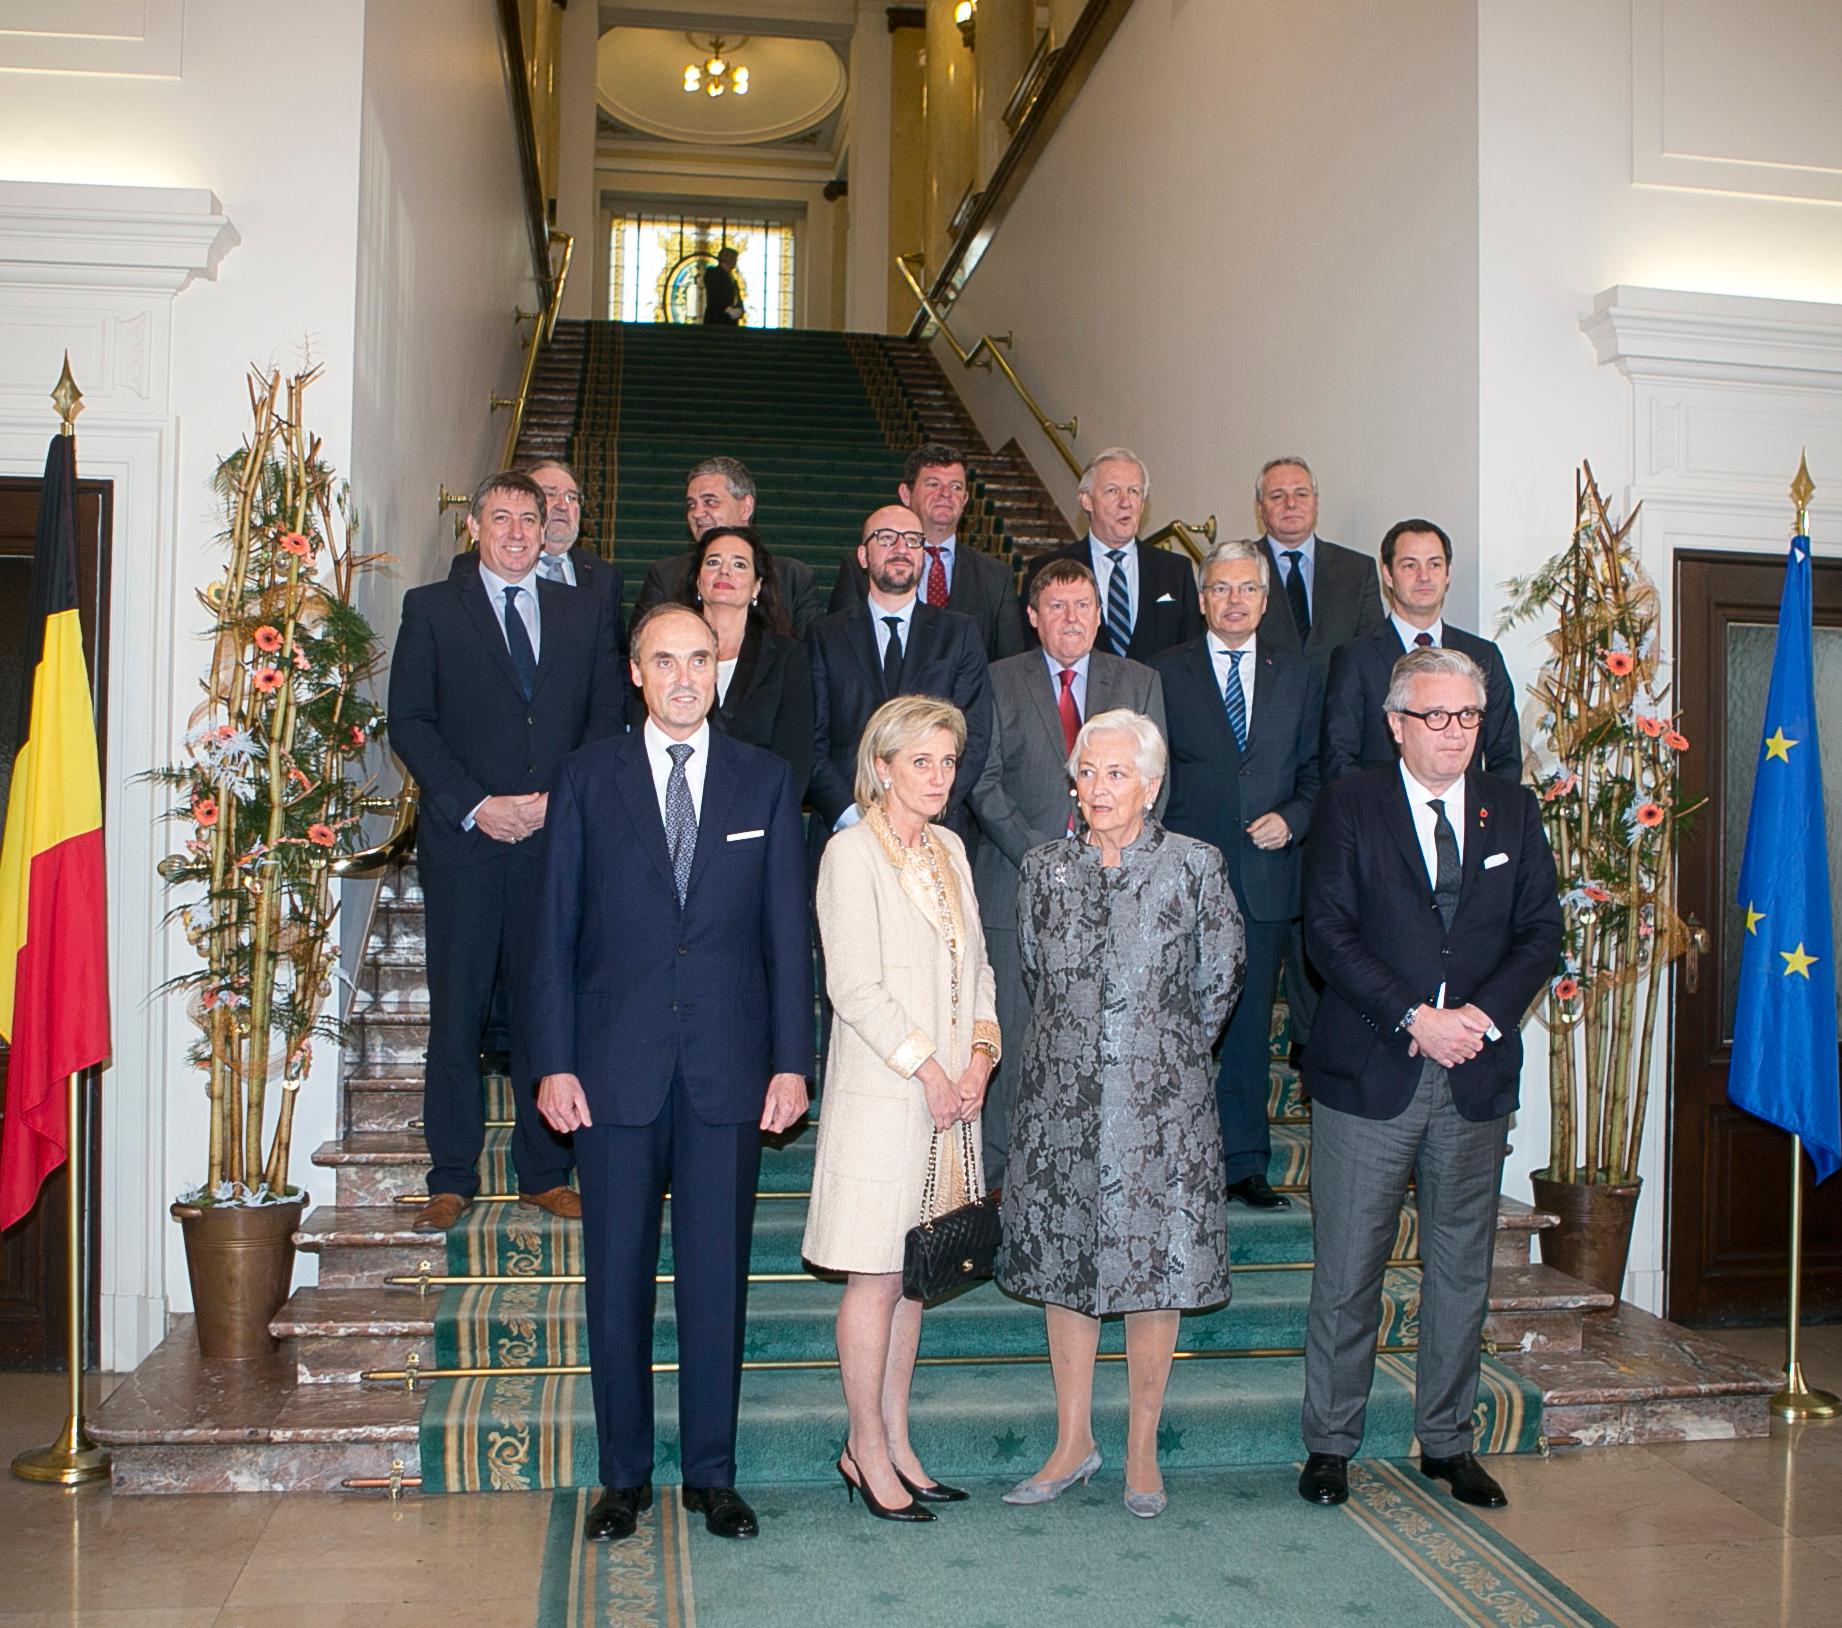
[(1147, 595), (1430, 909)]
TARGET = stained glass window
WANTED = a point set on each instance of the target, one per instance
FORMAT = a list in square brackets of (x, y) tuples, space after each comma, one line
[(656, 265)]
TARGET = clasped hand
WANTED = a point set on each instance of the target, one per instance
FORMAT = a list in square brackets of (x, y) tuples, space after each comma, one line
[(564, 1105), (512, 819), (1449, 1036), (950, 1100)]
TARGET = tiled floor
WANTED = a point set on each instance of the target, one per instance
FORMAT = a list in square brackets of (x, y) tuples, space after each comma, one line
[(1686, 1536)]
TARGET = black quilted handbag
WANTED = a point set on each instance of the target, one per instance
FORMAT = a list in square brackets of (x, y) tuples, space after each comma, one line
[(949, 1251)]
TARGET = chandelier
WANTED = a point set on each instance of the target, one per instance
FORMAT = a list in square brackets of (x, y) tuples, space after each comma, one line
[(716, 75)]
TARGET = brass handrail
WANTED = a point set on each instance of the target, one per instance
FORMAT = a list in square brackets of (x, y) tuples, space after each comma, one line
[(540, 337), (986, 352), (395, 848)]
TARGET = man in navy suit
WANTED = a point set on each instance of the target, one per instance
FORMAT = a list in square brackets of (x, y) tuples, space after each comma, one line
[(936, 484), (886, 643), (1244, 720), (671, 1022), (1147, 595), (497, 675), (1430, 908), (1416, 571)]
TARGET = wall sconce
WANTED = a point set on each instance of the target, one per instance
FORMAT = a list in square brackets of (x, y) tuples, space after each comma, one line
[(966, 20)]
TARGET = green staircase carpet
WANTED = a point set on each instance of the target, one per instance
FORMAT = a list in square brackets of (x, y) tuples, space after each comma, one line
[(983, 1403), (1235, 1546)]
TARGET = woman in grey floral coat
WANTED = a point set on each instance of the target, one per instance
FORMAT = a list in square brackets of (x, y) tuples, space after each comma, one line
[(1116, 1195)]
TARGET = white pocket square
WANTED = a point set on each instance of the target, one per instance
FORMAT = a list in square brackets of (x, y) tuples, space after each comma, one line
[(1167, 599), (743, 836), (1489, 864)]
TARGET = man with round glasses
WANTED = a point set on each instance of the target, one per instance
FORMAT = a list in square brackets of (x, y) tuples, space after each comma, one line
[(1430, 910)]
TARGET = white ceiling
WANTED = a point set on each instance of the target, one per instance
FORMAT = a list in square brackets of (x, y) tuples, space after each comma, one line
[(794, 84)]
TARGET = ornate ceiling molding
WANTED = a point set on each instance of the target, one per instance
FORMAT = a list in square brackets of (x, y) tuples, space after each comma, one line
[(154, 238)]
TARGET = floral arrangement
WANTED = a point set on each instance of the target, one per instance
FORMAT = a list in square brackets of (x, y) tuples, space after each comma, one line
[(271, 790), (1605, 757)]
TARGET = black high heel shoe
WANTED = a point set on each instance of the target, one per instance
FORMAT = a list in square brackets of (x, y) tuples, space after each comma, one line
[(907, 1512), (938, 1493)]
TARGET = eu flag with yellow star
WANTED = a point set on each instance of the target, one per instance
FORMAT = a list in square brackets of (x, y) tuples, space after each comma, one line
[(1784, 1028)]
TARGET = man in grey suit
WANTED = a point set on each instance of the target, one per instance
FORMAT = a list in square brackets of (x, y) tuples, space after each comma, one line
[(1323, 595), (936, 483), (1022, 797)]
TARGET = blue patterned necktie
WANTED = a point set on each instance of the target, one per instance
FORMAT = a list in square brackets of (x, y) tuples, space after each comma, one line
[(680, 819), (518, 642), (1295, 592), (551, 566), (1118, 603), (1445, 850), (1235, 699)]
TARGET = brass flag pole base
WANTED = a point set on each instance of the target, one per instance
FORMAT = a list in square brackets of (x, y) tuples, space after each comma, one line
[(73, 1460), (1797, 1402)]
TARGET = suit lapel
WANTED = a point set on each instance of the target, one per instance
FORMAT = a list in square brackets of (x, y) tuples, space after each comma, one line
[(863, 642), (472, 591), (1202, 669), (1401, 824), (720, 781), (1270, 695), (554, 608), (748, 658), (924, 630), (1477, 834), (1045, 691), (636, 790)]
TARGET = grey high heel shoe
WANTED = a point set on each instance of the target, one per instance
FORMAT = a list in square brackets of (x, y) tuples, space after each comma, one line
[(1146, 1504), (1046, 1492)]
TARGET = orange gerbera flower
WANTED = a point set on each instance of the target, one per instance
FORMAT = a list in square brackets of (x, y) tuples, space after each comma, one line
[(1596, 893), (294, 543), (266, 679), (1675, 740), (1566, 988), (357, 738), (1652, 727), (1649, 814), (267, 638), (204, 811), (1619, 662), (320, 835)]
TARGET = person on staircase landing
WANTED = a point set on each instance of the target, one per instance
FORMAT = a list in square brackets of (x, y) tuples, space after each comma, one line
[(496, 676), (1023, 799), (722, 292), (671, 1025), (1430, 908), (1147, 595), (936, 483), (1416, 571), (914, 1038), (721, 492), (1244, 720), (1323, 596)]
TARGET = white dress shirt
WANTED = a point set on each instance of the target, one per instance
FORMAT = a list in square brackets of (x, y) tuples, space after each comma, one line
[(1218, 654), (1409, 634), (1078, 689), (1419, 801), (659, 760), (495, 586), (1307, 563), (1103, 574)]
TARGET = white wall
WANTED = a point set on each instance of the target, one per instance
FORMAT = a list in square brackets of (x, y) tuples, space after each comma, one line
[(1254, 234)]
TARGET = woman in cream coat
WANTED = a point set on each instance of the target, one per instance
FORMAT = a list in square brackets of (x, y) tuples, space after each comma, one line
[(914, 1040)]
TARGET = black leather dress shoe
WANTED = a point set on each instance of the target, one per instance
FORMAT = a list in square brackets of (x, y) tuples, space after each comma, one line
[(1256, 1192), (616, 1514), (1470, 1482), (725, 1511), (1325, 1479)]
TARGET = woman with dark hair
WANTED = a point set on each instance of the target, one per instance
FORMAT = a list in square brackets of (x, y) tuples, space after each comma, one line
[(763, 680)]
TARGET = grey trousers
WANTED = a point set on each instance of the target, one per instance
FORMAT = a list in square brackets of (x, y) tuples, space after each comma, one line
[(1359, 1171)]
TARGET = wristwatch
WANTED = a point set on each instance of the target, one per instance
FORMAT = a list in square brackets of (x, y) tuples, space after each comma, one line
[(1408, 1016)]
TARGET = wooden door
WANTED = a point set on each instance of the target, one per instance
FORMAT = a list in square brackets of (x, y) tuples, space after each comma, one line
[(1730, 1174), (32, 1254)]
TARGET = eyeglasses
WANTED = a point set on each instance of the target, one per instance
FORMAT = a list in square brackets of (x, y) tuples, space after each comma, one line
[(573, 498), (1243, 590), (1438, 718), (898, 539)]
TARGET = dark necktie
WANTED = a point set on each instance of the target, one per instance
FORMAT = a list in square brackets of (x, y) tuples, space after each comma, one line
[(518, 641), (1445, 845), (1423, 640), (892, 657), (937, 576), (1071, 723), (1235, 699), (1118, 603), (680, 818), (1295, 592)]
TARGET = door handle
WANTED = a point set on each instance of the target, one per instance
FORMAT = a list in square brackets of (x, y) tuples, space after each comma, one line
[(1699, 943)]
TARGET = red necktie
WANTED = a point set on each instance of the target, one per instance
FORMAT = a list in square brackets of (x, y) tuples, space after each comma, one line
[(1423, 640), (1071, 724), (936, 576)]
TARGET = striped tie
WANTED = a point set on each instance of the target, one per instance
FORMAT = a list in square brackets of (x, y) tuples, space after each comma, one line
[(1118, 603), (1235, 699)]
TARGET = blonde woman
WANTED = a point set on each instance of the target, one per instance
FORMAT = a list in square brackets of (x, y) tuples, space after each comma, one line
[(913, 1042)]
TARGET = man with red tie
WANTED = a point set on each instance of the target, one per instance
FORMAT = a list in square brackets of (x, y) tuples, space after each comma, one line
[(1022, 796)]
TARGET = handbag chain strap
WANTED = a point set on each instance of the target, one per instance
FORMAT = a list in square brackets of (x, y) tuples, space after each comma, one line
[(975, 1193)]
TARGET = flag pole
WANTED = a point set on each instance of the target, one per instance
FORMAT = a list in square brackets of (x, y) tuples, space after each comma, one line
[(73, 1459), (1797, 1401)]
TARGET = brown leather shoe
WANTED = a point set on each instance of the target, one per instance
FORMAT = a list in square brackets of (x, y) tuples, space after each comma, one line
[(563, 1202), (440, 1213)]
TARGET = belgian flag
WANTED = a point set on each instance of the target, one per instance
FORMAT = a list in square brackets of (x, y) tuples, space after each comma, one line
[(54, 1003)]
